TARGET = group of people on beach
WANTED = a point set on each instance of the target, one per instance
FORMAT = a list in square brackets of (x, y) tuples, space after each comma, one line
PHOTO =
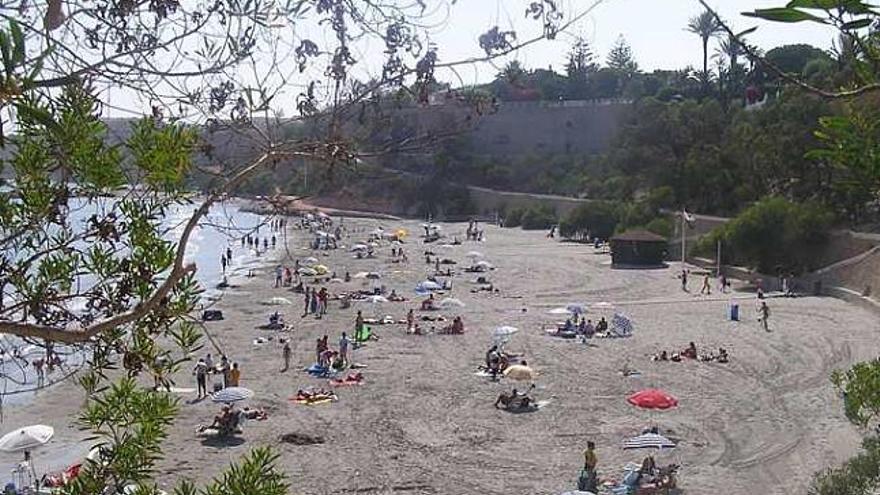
[(206, 368)]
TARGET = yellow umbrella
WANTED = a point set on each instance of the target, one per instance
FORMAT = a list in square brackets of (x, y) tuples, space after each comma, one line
[(520, 373), (401, 234), (320, 269)]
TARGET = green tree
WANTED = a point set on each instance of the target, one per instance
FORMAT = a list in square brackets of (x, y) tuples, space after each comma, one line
[(621, 60), (580, 66), (595, 219)]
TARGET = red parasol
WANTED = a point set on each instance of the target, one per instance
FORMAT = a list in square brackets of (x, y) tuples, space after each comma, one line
[(652, 399)]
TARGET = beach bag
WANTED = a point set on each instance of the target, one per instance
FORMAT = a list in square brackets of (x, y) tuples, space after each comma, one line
[(212, 315)]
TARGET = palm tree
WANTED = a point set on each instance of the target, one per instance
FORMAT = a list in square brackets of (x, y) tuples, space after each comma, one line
[(731, 50), (706, 26)]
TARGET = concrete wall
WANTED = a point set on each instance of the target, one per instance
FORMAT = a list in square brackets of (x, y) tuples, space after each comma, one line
[(489, 201)]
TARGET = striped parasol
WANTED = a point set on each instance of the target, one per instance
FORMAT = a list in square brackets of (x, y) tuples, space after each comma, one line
[(649, 441), (232, 394)]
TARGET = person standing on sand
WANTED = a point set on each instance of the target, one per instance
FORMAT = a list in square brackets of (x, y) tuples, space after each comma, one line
[(684, 279), (358, 324), (589, 480), (224, 369), (201, 372), (307, 300), (273, 242), (707, 289), (209, 362), (410, 321), (229, 254), (223, 262), (279, 276), (234, 376), (764, 317), (343, 348), (285, 355)]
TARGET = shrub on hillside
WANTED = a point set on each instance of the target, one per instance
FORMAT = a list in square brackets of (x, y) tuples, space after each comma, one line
[(773, 234), (660, 226), (539, 217), (513, 218), (597, 219)]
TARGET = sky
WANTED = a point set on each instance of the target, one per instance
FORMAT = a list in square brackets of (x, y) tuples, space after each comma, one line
[(655, 29)]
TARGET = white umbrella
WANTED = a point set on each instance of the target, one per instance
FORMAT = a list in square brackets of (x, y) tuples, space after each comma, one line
[(474, 254), (27, 438), (504, 331), (559, 311), (359, 247), (336, 280), (576, 309), (232, 394), (278, 301), (360, 275), (428, 285), (310, 261), (603, 305), (485, 264), (649, 441), (373, 276), (451, 301), (308, 272)]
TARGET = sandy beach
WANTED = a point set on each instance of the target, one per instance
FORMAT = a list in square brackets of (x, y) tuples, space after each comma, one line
[(423, 423)]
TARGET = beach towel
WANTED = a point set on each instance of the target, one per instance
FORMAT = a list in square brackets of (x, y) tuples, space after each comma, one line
[(317, 370), (364, 334)]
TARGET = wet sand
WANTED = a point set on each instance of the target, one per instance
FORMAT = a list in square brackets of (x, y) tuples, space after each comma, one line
[(424, 423)]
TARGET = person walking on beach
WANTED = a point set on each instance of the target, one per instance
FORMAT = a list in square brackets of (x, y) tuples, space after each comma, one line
[(223, 262), (410, 321), (684, 279), (764, 317), (313, 304), (279, 274), (265, 244), (273, 242), (209, 362), (285, 355), (707, 289), (229, 254), (324, 296), (201, 372)]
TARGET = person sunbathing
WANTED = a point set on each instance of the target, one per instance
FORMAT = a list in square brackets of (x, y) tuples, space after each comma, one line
[(723, 358), (515, 399), (690, 352), (395, 297), (663, 356), (254, 414), (312, 395)]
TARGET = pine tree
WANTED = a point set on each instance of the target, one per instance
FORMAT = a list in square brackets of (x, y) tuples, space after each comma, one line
[(621, 59)]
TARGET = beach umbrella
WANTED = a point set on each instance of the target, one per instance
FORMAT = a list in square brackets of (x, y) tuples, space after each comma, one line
[(27, 438), (520, 373), (308, 272), (336, 280), (652, 399), (232, 394), (621, 325), (401, 233), (474, 254), (359, 247), (649, 441), (485, 264), (603, 305), (320, 269), (310, 261), (428, 285), (321, 214), (576, 309), (360, 275), (373, 276), (504, 331), (278, 301), (450, 302), (321, 233), (558, 311)]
